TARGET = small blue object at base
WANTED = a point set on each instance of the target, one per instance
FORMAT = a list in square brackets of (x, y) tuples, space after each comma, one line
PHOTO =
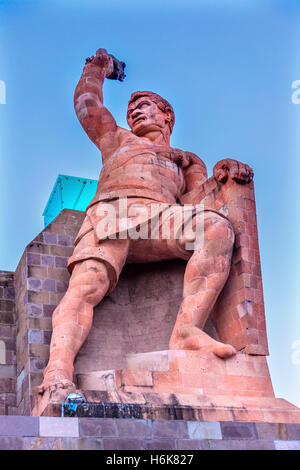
[(69, 407)]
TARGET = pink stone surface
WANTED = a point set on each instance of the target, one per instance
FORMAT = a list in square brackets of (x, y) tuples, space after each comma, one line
[(201, 372), (144, 306)]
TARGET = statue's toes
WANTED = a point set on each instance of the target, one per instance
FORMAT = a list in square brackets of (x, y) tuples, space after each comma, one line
[(61, 385), (225, 351), (67, 384)]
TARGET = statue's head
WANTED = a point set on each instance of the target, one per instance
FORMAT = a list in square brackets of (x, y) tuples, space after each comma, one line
[(147, 112)]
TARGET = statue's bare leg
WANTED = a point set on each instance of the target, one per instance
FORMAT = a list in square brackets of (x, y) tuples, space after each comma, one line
[(72, 321), (205, 276)]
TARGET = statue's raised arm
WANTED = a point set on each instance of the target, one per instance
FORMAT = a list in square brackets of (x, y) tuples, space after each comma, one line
[(95, 118)]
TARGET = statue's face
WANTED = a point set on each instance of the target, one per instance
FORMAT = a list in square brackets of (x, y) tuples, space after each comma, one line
[(144, 116)]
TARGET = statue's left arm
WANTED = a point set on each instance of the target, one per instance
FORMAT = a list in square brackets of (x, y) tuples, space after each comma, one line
[(195, 174), (198, 186)]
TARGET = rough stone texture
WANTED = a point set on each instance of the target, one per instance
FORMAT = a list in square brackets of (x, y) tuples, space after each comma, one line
[(28, 433), (61, 443), (19, 426), (239, 314), (7, 344), (93, 427), (147, 296), (57, 427), (197, 372), (139, 404), (170, 429), (11, 443), (232, 430), (40, 281), (204, 430)]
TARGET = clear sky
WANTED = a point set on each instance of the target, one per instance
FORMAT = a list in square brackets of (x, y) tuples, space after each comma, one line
[(227, 67)]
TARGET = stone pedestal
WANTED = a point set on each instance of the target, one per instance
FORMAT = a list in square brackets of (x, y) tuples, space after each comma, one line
[(125, 371), (125, 358), (187, 372), (179, 385)]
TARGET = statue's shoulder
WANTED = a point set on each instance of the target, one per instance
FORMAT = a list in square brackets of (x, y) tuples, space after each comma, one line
[(125, 136)]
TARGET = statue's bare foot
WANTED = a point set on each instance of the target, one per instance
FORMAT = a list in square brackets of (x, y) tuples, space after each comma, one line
[(192, 338), (55, 380)]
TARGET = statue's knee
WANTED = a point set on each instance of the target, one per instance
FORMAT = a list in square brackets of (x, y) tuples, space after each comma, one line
[(214, 236), (230, 231), (212, 229), (95, 286), (93, 282), (217, 227)]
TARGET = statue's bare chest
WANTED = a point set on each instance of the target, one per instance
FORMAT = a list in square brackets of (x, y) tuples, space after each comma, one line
[(142, 166), (135, 150)]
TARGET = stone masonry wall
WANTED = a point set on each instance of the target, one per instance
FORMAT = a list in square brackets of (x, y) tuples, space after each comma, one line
[(41, 280), (30, 433), (7, 344)]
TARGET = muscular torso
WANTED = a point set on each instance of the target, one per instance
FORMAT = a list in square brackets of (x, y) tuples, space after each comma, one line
[(139, 168)]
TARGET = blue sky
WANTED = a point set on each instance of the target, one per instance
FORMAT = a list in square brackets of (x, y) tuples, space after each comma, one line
[(226, 67)]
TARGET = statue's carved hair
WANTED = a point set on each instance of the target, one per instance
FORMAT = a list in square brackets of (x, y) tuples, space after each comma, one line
[(163, 104)]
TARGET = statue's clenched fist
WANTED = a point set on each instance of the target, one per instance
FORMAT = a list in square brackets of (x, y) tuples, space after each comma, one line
[(103, 60), (228, 168), (112, 67)]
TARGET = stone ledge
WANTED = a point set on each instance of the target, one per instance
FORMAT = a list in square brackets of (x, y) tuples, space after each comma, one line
[(120, 404)]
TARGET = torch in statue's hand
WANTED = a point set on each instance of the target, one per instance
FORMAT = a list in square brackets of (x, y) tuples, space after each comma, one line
[(112, 67)]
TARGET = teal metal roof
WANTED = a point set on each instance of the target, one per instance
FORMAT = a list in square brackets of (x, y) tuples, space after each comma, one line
[(69, 192)]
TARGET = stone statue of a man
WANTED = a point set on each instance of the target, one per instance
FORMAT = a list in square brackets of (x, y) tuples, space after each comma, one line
[(144, 172)]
